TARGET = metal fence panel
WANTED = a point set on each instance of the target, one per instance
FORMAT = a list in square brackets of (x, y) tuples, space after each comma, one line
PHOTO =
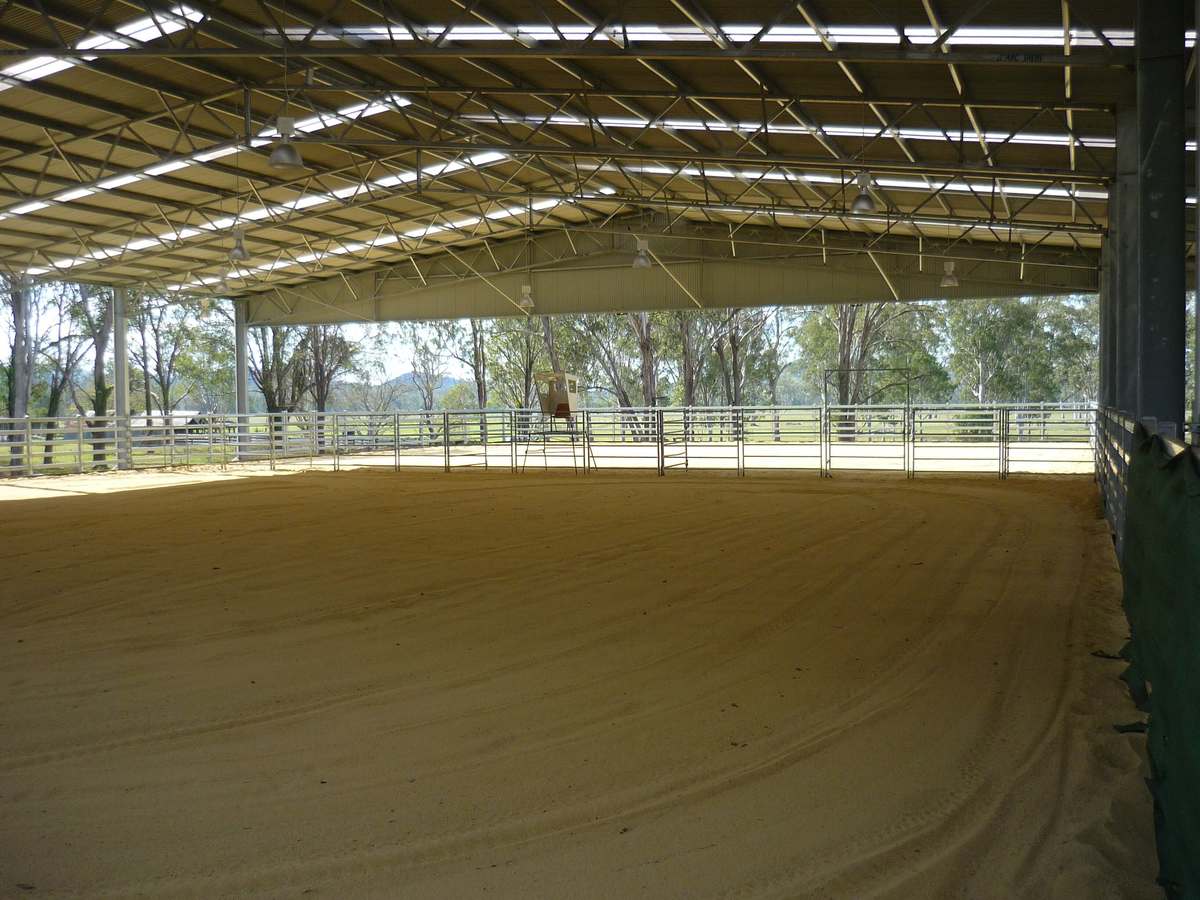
[(1000, 438)]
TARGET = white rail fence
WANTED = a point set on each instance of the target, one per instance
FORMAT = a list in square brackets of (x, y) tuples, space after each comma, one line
[(999, 439)]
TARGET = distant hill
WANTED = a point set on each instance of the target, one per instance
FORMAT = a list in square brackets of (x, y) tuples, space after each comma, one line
[(399, 393)]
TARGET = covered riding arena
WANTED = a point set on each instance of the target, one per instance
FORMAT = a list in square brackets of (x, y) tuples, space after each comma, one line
[(824, 651)]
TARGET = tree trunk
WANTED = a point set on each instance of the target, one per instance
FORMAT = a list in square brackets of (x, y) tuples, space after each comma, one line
[(726, 380), (736, 363), (101, 328), (642, 330), (479, 367), (688, 358), (53, 407), (21, 369), (551, 348), (22, 350), (146, 385)]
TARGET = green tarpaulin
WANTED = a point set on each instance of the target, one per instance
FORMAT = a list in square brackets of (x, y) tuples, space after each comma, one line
[(1161, 563)]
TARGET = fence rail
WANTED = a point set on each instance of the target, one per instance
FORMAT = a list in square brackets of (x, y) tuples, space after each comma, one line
[(911, 440), (1114, 443)]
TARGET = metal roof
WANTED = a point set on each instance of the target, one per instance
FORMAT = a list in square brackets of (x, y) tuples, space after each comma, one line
[(134, 136)]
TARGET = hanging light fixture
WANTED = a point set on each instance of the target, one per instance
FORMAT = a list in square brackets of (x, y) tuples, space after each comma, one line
[(864, 202), (285, 155), (949, 279), (238, 252), (526, 301), (642, 260)]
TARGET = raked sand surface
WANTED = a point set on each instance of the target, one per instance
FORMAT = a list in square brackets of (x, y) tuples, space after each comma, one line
[(370, 684)]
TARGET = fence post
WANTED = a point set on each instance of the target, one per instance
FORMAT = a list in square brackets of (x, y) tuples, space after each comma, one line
[(396, 442), (337, 457), (271, 439), (826, 443), (512, 438), (739, 423), (79, 444), (909, 442), (1002, 439), (662, 461), (28, 446), (585, 426), (446, 441)]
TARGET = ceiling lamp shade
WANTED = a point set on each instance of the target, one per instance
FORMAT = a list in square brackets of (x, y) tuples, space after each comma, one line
[(285, 155), (642, 259), (949, 279), (526, 301), (238, 252), (864, 202)]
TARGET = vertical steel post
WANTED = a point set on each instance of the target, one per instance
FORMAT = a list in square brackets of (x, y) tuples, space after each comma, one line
[(827, 441), (1196, 260), (662, 462), (28, 446), (446, 441), (998, 425), (395, 442), (739, 423), (1123, 224), (910, 448), (586, 425), (512, 438), (1162, 284), (79, 444), (337, 458)]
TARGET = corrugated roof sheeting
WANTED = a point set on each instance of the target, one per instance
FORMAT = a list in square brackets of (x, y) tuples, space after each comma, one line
[(672, 123)]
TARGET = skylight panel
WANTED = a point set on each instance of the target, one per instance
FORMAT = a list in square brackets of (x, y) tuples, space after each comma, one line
[(138, 31), (360, 110), (112, 183), (215, 153), (920, 34), (163, 168), (485, 158)]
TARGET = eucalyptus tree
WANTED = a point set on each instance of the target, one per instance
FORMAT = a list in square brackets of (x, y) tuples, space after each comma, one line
[(328, 355), (466, 341), (516, 352), (278, 365), (63, 349)]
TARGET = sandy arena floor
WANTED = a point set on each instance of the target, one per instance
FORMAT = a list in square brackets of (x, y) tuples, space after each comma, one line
[(427, 685)]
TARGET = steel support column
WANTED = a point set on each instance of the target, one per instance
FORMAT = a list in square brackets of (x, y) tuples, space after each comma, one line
[(1161, 213), (1107, 348), (1122, 216), (121, 377), (1195, 417)]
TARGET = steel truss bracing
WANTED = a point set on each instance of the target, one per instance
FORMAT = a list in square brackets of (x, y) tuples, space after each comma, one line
[(137, 133), (587, 268)]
